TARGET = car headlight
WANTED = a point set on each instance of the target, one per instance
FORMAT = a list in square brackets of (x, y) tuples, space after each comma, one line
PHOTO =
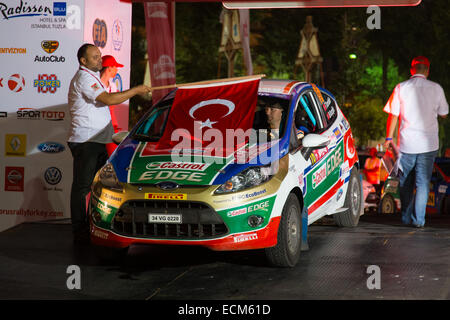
[(248, 178), (108, 178)]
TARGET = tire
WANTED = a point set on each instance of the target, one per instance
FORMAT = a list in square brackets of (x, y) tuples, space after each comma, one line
[(110, 255), (387, 204), (287, 251), (353, 201)]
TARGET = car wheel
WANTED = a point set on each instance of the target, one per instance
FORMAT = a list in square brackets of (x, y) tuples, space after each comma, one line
[(287, 251), (353, 201), (110, 255), (387, 204)]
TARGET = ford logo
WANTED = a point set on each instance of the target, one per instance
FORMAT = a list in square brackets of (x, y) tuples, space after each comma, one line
[(51, 147), (167, 185)]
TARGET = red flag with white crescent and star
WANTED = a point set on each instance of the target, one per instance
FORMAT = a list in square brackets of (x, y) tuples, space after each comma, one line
[(202, 114)]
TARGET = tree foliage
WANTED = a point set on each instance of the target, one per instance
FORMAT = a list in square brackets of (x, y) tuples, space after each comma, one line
[(363, 84)]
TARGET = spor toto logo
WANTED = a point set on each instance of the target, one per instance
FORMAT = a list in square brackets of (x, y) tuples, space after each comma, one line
[(52, 175), (16, 83)]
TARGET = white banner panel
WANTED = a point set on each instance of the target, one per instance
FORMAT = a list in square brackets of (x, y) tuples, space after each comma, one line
[(38, 46)]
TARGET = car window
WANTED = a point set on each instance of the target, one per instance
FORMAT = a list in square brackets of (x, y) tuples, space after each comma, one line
[(152, 128), (306, 117), (261, 121), (329, 109)]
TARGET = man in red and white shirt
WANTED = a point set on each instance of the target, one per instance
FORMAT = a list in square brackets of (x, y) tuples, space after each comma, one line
[(90, 130), (416, 103)]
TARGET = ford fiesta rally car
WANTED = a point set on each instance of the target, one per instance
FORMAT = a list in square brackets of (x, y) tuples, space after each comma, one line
[(144, 196)]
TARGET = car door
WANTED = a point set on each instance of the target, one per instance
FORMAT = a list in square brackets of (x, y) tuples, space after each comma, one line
[(331, 157), (309, 165)]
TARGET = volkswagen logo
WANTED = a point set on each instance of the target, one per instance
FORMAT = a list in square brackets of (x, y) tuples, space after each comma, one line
[(53, 175), (167, 185)]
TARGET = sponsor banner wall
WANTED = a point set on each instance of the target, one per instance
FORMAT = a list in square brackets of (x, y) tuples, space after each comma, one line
[(39, 42)]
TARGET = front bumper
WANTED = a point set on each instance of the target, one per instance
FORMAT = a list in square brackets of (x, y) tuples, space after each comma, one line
[(219, 222)]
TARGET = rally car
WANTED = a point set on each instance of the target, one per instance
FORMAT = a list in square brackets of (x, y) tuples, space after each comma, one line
[(257, 193)]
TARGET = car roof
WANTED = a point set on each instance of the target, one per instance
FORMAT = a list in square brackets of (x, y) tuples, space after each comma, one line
[(283, 87)]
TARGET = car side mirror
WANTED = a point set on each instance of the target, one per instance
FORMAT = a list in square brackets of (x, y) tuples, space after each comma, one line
[(313, 141), (119, 136)]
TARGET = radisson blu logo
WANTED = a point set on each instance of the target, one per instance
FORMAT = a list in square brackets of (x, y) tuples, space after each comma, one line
[(24, 9)]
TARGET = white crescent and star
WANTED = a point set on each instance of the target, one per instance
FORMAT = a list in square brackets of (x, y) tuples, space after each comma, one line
[(350, 151), (208, 123)]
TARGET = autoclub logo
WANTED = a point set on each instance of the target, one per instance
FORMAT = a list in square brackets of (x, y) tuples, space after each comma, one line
[(47, 83), (35, 114), (51, 147), (117, 34), (99, 33), (14, 179), (49, 46), (53, 176)]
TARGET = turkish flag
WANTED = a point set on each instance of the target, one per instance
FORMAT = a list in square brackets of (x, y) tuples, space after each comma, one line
[(200, 117)]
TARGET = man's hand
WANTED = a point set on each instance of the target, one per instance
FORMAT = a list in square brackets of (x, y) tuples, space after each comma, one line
[(142, 90)]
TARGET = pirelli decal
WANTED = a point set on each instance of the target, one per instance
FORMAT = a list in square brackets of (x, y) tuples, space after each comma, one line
[(166, 196)]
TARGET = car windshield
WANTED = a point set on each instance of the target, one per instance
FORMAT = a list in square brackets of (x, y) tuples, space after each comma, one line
[(270, 113)]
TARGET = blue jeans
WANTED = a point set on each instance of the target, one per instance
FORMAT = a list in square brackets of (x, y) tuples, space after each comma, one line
[(416, 170)]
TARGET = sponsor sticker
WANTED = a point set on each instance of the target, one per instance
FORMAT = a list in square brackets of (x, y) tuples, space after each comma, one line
[(245, 237), (337, 133), (172, 175), (191, 166), (166, 196), (319, 176)]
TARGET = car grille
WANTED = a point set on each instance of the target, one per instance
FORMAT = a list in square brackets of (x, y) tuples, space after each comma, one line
[(199, 221)]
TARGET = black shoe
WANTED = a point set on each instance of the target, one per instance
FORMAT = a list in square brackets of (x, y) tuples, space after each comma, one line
[(418, 226)]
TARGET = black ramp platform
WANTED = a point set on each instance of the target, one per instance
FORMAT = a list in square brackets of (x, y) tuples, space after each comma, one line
[(413, 264)]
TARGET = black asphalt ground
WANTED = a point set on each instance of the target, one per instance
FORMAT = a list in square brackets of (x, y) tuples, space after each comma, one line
[(413, 264)]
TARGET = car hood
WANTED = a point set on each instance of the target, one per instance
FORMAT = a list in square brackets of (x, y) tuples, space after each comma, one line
[(138, 162)]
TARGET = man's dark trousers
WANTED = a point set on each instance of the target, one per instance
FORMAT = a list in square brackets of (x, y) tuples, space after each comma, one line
[(88, 158)]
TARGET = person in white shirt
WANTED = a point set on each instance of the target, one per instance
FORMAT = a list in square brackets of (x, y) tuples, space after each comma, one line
[(416, 103), (90, 130)]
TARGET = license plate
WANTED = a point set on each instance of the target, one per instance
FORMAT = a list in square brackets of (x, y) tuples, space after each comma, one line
[(164, 218)]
